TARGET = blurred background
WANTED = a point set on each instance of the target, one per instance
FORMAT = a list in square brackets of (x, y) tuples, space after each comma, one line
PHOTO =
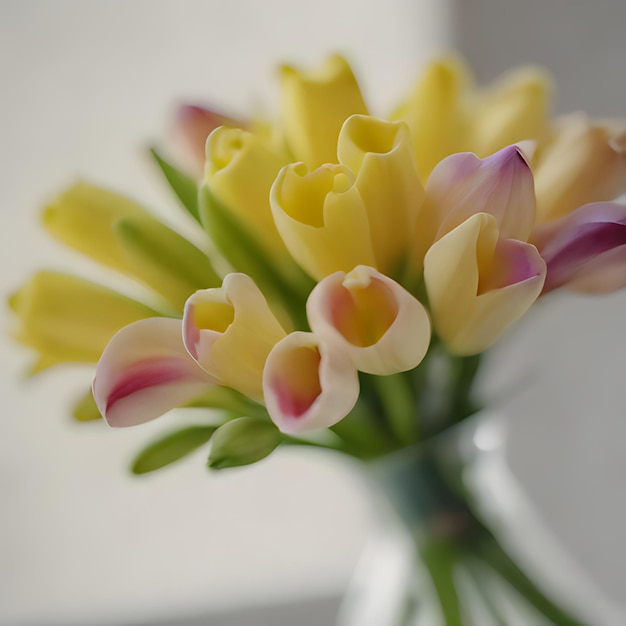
[(86, 87)]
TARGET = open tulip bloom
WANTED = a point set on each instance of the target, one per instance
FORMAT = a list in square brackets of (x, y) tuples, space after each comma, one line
[(342, 262)]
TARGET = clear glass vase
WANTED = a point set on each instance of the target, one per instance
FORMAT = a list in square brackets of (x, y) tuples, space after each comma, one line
[(441, 553)]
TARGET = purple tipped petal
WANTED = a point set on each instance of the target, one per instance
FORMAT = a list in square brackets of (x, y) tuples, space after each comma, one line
[(586, 250), (502, 185)]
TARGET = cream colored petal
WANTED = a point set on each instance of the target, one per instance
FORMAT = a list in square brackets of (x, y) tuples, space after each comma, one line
[(383, 328), (478, 285), (145, 371), (308, 383)]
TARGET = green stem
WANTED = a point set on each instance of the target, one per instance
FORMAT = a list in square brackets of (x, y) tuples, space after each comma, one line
[(492, 553), (484, 587), (440, 559), (399, 407)]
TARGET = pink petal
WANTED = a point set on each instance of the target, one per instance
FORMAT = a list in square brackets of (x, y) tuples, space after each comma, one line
[(502, 185), (308, 383), (145, 371)]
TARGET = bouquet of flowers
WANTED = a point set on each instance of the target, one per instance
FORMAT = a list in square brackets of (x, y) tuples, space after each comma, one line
[(346, 272)]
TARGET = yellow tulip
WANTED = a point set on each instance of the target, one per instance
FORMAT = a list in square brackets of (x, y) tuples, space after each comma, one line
[(381, 156), (66, 318), (478, 284), (230, 331), (314, 107), (240, 169), (584, 163), (435, 114), (513, 109), (322, 219)]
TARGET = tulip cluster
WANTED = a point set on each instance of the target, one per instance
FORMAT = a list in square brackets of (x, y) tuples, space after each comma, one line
[(346, 257)]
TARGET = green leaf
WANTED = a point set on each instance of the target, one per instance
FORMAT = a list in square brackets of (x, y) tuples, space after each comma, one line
[(173, 447), (183, 186), (242, 441), (86, 410), (242, 250)]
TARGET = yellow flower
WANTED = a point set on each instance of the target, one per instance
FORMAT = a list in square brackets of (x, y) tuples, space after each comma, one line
[(230, 331), (66, 318), (478, 283), (314, 107), (120, 234), (584, 163)]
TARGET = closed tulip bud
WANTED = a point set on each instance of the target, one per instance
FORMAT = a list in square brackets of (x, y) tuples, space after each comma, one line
[(322, 219), (513, 109), (145, 371), (501, 184), (66, 318), (479, 284), (230, 331), (240, 170), (584, 163), (308, 383), (192, 125), (381, 156), (380, 325), (586, 250), (315, 106), (435, 114)]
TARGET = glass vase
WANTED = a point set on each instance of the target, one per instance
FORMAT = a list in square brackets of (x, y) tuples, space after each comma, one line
[(441, 551)]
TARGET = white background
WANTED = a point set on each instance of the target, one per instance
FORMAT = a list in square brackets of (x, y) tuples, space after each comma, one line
[(85, 87)]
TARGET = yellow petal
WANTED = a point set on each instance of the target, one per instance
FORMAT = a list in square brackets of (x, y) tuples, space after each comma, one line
[(381, 156), (434, 113), (322, 219), (70, 319), (82, 218), (230, 331), (479, 285), (240, 170), (314, 107), (584, 163), (514, 108)]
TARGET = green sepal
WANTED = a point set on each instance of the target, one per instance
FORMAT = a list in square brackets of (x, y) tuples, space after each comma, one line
[(173, 447), (243, 441), (85, 410), (183, 186), (165, 260), (244, 253)]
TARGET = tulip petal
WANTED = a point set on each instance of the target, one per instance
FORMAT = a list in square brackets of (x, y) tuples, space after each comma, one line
[(230, 331), (478, 284), (381, 156), (322, 219), (67, 318), (586, 250), (145, 371), (308, 383), (315, 106), (382, 327), (584, 163), (502, 185)]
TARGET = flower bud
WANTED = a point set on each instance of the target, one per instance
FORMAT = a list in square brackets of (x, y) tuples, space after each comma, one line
[(230, 331), (383, 328), (308, 383), (314, 107), (478, 284)]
